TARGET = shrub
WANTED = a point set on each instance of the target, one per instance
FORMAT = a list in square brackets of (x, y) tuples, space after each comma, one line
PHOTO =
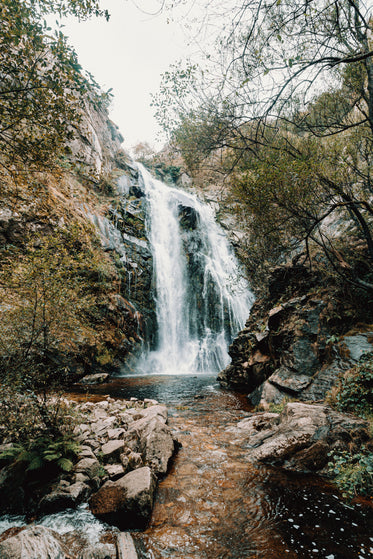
[(355, 389), (27, 416), (353, 474), (279, 407)]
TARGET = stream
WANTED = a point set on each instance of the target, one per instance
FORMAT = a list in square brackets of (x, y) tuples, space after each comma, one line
[(215, 504)]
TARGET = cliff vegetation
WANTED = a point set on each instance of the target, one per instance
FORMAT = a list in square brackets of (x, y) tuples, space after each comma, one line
[(62, 310)]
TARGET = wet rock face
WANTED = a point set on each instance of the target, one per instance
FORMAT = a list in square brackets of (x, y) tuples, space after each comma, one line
[(301, 437), (188, 218), (133, 258), (97, 378), (285, 351)]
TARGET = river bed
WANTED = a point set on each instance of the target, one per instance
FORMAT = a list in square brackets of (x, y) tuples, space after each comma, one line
[(215, 504)]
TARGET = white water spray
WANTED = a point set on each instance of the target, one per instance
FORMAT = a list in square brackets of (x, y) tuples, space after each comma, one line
[(202, 299)]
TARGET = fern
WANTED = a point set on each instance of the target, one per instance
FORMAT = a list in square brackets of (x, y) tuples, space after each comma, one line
[(65, 464), (36, 463), (43, 451), (11, 453)]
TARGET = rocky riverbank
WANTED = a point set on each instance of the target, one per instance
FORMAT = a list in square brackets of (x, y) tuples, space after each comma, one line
[(302, 437), (124, 447)]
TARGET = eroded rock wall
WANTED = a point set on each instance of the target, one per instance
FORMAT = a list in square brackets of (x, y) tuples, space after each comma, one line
[(289, 347)]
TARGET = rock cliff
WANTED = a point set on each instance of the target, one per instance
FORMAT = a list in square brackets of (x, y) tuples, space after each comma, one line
[(297, 340), (95, 196)]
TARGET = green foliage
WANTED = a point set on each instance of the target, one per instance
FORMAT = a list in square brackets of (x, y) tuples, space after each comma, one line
[(42, 451), (51, 321), (355, 389), (332, 339), (353, 474), (175, 95), (278, 408), (42, 305), (82, 9), (289, 127), (41, 82)]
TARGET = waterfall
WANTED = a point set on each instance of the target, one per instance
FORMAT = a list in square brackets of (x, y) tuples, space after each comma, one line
[(202, 298)]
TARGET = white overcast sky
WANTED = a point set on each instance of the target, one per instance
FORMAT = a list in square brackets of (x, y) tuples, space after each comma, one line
[(129, 53)]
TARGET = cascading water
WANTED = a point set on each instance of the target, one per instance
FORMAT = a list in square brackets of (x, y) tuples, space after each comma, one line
[(202, 299)]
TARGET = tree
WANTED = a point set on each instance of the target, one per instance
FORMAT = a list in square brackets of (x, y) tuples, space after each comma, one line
[(53, 318), (143, 152), (292, 71), (41, 82)]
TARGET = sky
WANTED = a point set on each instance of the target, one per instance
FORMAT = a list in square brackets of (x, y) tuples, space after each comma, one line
[(128, 54)]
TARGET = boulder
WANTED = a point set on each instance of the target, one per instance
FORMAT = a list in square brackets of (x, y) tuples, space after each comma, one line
[(257, 423), (86, 452), (34, 542), (265, 395), (147, 414), (300, 438), (116, 433), (158, 446), (92, 443), (99, 551), (296, 430), (126, 546), (132, 439), (111, 451), (98, 378), (101, 427), (285, 379), (152, 438), (115, 471), (127, 502), (89, 467), (64, 497)]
